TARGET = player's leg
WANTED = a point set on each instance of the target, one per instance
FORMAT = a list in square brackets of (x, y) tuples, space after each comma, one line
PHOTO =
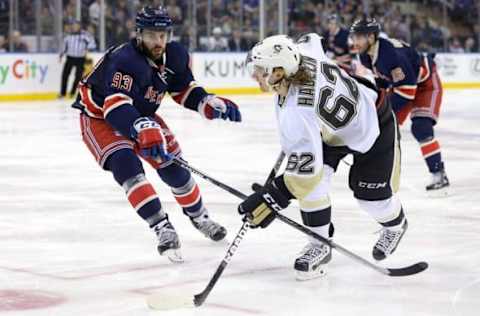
[(185, 189), (79, 65), (374, 179), (128, 172), (116, 154), (67, 68), (424, 117), (187, 193), (316, 214)]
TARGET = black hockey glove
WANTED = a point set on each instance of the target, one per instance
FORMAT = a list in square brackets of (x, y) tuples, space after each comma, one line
[(260, 207)]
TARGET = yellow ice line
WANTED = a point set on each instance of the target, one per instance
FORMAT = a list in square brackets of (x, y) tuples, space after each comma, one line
[(44, 96)]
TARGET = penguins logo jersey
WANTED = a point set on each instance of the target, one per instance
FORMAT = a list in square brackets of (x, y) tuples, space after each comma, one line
[(332, 107)]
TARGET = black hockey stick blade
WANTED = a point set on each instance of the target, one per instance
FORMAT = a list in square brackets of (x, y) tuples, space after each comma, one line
[(199, 298), (410, 270)]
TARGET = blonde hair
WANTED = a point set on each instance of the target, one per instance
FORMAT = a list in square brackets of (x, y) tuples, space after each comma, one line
[(302, 76)]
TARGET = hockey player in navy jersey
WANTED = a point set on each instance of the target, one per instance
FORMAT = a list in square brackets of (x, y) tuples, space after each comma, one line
[(336, 42), (119, 99), (414, 87)]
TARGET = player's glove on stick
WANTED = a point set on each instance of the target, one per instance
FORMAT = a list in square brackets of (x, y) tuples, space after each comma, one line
[(259, 207), (213, 107), (151, 141)]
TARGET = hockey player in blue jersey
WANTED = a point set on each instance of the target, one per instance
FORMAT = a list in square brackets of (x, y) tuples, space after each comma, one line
[(119, 99), (336, 42), (414, 89)]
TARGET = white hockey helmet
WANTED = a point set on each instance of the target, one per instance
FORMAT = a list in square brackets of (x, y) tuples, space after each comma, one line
[(274, 51)]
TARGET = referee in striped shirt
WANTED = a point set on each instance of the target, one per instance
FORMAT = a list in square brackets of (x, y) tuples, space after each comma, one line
[(75, 46)]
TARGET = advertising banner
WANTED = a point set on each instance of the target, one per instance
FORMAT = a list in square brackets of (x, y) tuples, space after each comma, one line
[(37, 76)]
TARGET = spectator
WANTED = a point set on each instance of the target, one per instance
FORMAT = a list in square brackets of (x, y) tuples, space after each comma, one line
[(3, 49), (250, 5), (455, 46), (175, 12), (4, 16), (470, 45), (303, 16), (217, 43), (237, 43), (94, 13), (19, 46), (124, 34)]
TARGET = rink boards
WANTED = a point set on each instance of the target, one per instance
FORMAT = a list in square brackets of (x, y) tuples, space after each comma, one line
[(37, 76)]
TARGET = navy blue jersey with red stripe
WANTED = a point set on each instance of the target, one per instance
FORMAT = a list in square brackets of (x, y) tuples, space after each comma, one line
[(337, 43), (398, 67), (125, 84)]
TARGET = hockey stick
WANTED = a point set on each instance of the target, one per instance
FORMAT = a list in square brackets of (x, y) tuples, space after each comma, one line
[(199, 298), (405, 271), (164, 302), (202, 296)]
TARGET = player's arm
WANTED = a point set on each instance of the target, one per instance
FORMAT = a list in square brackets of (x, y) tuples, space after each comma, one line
[(120, 113), (185, 91), (303, 145), (404, 82)]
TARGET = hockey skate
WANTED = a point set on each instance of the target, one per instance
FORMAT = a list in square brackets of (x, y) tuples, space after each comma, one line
[(388, 241), (439, 184), (209, 228), (168, 242), (312, 261)]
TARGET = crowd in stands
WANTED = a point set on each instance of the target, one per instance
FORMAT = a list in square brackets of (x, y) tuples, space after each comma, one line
[(233, 25)]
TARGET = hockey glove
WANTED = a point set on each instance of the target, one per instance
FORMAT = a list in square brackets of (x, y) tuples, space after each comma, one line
[(260, 207), (213, 107), (151, 141)]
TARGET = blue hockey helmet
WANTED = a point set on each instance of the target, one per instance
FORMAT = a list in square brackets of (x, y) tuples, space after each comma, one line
[(153, 18), (365, 26)]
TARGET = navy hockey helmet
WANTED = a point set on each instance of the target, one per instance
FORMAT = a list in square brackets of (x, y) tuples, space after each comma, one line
[(365, 26), (153, 18)]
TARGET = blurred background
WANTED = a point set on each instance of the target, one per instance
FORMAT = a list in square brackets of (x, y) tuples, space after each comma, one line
[(235, 25)]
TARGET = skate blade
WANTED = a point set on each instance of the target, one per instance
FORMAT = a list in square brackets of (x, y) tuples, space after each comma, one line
[(174, 255), (169, 301), (439, 193), (305, 276)]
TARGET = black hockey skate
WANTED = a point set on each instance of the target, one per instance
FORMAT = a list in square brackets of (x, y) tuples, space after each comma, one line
[(439, 184), (312, 261), (388, 241), (168, 242), (208, 227)]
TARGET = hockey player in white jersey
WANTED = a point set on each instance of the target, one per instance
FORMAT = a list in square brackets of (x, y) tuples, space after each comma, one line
[(323, 114)]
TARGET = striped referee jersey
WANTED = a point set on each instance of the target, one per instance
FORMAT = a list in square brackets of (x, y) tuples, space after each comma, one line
[(78, 44)]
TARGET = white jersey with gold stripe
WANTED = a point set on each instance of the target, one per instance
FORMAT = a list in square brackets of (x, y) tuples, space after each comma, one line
[(332, 107)]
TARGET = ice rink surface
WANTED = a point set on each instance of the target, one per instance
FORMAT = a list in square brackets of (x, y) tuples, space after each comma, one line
[(70, 244)]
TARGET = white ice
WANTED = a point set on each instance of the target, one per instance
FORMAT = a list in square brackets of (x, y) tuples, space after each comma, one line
[(68, 235)]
